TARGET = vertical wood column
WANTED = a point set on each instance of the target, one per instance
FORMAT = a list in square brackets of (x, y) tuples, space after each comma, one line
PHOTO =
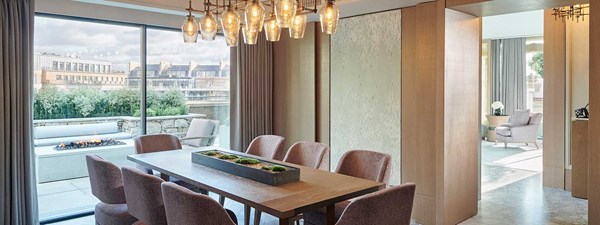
[(440, 111), (594, 123), (554, 101)]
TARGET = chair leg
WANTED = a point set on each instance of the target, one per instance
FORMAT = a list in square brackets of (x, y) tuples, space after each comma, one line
[(537, 145), (257, 214), (222, 200), (505, 145), (246, 215), (526, 144)]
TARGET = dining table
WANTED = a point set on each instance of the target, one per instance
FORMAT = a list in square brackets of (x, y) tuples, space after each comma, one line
[(316, 189)]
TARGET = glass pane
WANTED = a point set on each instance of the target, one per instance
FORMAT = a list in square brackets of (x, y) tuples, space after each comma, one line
[(83, 104), (187, 82)]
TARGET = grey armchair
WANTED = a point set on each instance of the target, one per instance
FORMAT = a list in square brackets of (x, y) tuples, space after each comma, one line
[(509, 133), (201, 133)]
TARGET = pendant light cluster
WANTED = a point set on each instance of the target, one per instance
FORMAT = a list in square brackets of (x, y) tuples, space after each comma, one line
[(290, 14)]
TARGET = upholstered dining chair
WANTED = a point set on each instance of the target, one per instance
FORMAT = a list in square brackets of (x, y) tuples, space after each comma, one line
[(309, 154), (304, 153), (267, 146), (363, 164), (184, 207), (158, 143), (374, 208), (107, 185), (144, 197)]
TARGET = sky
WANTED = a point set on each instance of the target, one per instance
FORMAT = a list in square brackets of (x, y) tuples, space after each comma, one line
[(121, 44)]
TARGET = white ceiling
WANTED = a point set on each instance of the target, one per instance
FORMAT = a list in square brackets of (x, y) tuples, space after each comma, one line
[(348, 7)]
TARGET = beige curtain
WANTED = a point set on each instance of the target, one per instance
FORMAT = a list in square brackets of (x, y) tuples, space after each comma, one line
[(251, 92), (18, 204)]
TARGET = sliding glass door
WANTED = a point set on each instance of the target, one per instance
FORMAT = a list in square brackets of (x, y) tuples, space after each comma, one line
[(90, 89)]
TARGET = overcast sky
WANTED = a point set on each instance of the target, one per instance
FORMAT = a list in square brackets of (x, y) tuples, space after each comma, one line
[(121, 44)]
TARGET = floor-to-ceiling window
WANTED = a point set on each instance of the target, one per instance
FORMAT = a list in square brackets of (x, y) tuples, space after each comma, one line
[(88, 97)]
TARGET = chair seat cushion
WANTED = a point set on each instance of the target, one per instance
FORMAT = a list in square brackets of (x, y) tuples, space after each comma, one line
[(504, 131), (113, 214), (318, 217)]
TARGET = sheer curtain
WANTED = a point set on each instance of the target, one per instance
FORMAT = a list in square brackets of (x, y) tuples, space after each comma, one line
[(509, 83), (18, 204), (251, 92)]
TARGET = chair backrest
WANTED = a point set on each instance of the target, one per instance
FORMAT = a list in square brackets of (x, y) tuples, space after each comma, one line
[(202, 128), (144, 196), (370, 165), (535, 118), (185, 207), (310, 154), (267, 146), (156, 143), (106, 180), (391, 206)]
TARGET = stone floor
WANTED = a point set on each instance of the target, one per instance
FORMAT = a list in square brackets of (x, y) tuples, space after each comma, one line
[(512, 193), (64, 197)]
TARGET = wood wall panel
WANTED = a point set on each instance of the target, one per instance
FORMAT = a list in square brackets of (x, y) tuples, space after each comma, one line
[(323, 85), (594, 123), (461, 115), (440, 116), (554, 101), (579, 158), (294, 97)]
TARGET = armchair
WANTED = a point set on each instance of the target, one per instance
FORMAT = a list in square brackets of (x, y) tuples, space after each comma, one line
[(201, 133), (509, 133)]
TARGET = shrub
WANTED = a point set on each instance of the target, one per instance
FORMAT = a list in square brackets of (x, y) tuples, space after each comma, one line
[(52, 103)]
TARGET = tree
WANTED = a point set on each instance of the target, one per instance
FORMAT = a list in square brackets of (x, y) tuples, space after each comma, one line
[(537, 64)]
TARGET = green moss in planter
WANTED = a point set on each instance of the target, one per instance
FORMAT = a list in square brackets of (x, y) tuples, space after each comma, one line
[(228, 157), (267, 168), (279, 169), (211, 153), (247, 161)]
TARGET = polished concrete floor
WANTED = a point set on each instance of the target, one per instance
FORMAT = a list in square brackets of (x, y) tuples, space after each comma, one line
[(512, 193)]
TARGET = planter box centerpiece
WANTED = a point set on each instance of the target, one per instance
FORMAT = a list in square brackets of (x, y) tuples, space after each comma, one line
[(251, 168)]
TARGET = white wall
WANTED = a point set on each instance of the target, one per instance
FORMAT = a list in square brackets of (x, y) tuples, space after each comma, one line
[(525, 24)]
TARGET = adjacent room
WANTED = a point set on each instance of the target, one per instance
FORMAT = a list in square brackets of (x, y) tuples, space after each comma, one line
[(303, 112)]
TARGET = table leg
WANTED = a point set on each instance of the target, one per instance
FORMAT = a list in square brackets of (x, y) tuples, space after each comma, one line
[(246, 215), (284, 221), (330, 212)]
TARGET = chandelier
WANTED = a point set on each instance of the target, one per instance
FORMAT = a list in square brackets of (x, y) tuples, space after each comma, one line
[(571, 12), (251, 17)]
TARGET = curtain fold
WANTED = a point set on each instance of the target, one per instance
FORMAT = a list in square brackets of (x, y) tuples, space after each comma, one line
[(17, 176), (509, 83), (251, 92)]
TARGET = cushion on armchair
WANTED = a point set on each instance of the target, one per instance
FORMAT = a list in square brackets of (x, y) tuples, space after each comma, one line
[(504, 131), (520, 118)]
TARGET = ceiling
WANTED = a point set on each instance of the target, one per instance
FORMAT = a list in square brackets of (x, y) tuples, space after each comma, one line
[(348, 7)]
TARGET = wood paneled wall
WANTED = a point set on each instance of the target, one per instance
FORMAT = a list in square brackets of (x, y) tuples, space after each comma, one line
[(440, 117), (554, 101), (301, 87), (594, 123)]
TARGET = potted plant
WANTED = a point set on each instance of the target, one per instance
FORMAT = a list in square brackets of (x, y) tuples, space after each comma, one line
[(497, 107)]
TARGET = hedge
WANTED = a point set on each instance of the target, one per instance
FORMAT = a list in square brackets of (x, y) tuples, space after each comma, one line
[(53, 103)]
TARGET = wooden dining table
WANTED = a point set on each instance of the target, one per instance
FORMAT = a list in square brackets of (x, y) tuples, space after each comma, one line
[(316, 189)]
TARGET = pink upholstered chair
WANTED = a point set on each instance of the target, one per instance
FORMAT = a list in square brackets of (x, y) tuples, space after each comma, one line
[(364, 164), (107, 186), (267, 146), (144, 197), (310, 154), (158, 143), (392, 206), (185, 207)]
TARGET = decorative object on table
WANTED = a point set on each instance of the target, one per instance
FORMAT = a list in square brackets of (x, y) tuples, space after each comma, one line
[(497, 107), (493, 122), (245, 166), (583, 112)]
